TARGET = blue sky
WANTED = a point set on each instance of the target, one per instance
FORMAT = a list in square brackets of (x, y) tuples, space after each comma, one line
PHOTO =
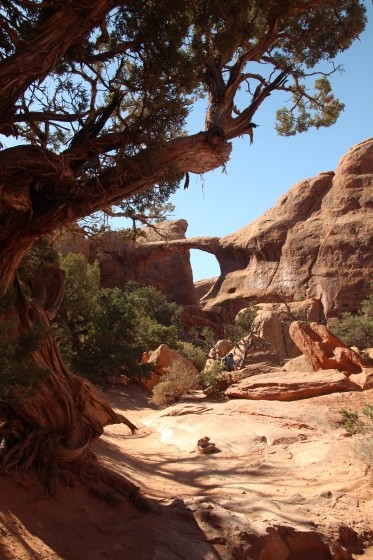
[(219, 204)]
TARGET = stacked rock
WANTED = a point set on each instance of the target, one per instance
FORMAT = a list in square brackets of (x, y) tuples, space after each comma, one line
[(204, 445)]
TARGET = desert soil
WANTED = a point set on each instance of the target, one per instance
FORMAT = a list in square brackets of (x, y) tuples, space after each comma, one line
[(283, 472)]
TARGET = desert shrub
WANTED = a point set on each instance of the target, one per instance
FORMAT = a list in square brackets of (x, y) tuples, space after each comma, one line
[(192, 353), (357, 329), (177, 381), (350, 421), (103, 331), (213, 375), (363, 426)]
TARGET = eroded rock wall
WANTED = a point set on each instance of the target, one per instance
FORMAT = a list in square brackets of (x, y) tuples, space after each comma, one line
[(145, 261), (316, 242)]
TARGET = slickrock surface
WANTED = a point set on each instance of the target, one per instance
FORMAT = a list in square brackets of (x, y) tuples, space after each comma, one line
[(283, 483)]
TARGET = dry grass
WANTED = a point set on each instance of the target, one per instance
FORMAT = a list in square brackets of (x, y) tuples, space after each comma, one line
[(178, 380)]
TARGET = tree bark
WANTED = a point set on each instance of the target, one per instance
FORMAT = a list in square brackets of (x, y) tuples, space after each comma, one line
[(50, 427)]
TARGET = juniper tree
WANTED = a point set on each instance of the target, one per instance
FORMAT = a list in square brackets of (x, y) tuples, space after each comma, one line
[(95, 95)]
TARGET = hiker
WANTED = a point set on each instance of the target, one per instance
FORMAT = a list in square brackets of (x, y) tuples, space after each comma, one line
[(229, 362)]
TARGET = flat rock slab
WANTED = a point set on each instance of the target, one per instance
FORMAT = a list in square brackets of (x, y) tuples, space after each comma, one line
[(236, 426), (280, 481), (289, 386)]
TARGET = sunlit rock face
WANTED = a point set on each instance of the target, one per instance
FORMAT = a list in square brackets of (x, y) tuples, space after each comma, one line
[(145, 261), (316, 242)]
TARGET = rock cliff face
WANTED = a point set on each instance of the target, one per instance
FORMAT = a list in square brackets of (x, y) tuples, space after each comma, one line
[(317, 242), (149, 261)]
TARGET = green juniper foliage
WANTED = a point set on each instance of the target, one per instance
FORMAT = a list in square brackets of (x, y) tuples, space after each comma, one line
[(102, 332), (362, 427)]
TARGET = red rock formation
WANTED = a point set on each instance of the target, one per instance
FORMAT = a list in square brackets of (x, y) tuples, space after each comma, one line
[(316, 242), (162, 358), (145, 261), (324, 350), (291, 386), (202, 287)]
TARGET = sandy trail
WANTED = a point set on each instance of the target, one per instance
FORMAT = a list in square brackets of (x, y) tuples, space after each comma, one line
[(278, 463)]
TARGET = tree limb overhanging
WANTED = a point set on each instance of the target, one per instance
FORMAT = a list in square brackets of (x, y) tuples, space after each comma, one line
[(60, 45), (94, 97)]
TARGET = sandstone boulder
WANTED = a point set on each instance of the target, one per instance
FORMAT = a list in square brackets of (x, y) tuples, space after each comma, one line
[(273, 321), (324, 350), (300, 363), (363, 379), (250, 371), (290, 386), (253, 350), (222, 347), (162, 358)]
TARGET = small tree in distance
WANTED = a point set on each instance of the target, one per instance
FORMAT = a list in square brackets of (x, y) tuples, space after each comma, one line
[(357, 329), (242, 332)]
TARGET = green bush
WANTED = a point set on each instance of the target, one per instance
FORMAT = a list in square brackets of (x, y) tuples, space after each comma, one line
[(192, 353), (177, 381), (357, 330), (104, 332), (213, 375), (363, 427), (350, 421)]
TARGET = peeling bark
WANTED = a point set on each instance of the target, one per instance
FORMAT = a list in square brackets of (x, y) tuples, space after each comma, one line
[(50, 428)]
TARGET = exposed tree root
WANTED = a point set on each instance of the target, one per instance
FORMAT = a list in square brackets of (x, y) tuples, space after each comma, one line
[(49, 429)]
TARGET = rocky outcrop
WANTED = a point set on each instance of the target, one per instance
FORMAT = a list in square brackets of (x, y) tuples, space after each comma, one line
[(145, 261), (315, 243), (300, 363), (273, 321), (202, 287), (162, 358), (292, 386), (324, 350)]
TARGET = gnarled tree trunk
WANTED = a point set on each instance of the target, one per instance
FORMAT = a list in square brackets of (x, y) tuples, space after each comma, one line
[(50, 428)]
